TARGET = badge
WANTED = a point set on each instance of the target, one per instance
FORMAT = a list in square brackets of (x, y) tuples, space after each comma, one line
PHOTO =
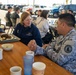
[(29, 34), (68, 48), (17, 31)]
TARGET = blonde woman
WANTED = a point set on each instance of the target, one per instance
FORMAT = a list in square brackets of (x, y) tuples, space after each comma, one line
[(27, 31)]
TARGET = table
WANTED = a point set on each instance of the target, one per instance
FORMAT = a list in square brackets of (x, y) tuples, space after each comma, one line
[(15, 58)]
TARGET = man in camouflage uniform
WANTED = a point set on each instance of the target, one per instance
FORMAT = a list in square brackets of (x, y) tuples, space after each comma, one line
[(63, 49)]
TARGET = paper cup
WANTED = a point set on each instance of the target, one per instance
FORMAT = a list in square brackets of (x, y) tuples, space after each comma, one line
[(38, 68), (30, 53), (15, 70)]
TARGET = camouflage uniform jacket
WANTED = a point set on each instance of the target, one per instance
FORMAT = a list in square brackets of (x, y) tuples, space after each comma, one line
[(62, 51)]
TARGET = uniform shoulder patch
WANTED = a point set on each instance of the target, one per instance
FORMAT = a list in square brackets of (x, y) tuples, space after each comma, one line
[(68, 48)]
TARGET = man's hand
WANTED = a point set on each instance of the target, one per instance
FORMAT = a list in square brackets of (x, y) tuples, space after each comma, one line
[(32, 45), (44, 46)]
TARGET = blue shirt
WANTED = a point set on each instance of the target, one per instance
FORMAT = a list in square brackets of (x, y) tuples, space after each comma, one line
[(28, 33)]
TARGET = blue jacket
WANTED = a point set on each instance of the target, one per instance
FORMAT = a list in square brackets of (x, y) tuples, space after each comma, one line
[(28, 33)]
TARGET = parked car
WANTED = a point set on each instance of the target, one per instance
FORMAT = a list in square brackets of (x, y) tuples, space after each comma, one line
[(27, 7), (70, 7), (5, 6), (20, 6), (54, 12), (35, 8), (40, 8)]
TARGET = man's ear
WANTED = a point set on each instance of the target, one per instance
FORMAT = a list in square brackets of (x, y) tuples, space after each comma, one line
[(64, 24)]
